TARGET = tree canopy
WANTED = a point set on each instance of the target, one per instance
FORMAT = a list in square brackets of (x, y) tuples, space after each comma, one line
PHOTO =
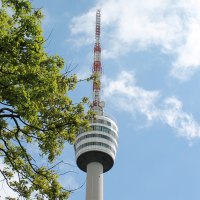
[(35, 108)]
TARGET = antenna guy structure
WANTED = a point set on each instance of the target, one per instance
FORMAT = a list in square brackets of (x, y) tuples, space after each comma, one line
[(95, 150)]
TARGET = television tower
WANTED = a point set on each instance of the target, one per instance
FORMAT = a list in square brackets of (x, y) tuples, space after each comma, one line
[(95, 150)]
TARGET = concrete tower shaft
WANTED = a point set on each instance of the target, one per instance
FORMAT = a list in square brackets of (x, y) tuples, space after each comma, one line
[(94, 175)]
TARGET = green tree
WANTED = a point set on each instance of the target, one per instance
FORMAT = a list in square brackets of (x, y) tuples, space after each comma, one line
[(34, 104)]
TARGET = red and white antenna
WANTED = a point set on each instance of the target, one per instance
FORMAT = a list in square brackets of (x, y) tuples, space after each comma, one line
[(97, 104)]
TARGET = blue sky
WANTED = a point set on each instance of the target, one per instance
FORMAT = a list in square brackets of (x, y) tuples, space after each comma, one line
[(151, 85)]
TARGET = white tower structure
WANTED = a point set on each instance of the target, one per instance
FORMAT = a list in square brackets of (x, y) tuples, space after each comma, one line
[(95, 150)]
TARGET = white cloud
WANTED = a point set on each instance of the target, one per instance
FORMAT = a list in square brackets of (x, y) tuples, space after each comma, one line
[(48, 19), (174, 116), (131, 98), (188, 59), (67, 180), (129, 25), (85, 21), (5, 190), (68, 169)]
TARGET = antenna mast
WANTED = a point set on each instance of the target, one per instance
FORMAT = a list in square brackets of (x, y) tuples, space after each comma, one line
[(97, 104)]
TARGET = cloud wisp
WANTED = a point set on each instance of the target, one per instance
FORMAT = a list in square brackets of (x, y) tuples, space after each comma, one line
[(5, 190), (129, 25), (133, 99)]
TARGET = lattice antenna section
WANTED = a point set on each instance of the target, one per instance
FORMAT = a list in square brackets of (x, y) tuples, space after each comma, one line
[(97, 104)]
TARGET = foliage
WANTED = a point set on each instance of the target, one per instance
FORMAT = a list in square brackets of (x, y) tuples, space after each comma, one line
[(35, 108)]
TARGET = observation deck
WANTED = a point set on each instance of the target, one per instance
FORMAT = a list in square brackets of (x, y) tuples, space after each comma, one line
[(97, 145)]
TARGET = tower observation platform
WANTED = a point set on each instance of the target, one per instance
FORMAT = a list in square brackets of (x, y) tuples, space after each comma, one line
[(97, 145), (95, 150)]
